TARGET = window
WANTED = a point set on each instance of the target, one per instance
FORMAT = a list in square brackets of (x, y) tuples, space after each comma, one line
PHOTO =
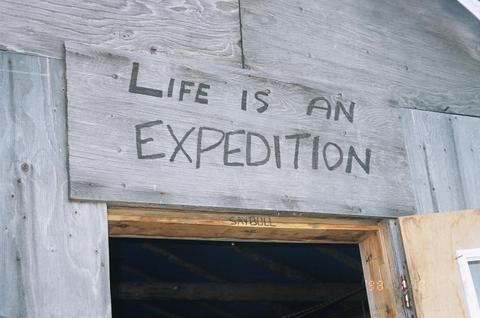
[(469, 264)]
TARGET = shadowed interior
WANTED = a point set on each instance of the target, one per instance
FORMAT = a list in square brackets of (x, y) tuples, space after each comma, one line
[(187, 278)]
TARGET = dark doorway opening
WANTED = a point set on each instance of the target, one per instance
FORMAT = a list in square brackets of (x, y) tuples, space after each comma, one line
[(186, 279)]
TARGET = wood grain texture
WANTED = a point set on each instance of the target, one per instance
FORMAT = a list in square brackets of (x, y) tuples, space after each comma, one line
[(53, 253), (105, 162), (444, 159), (12, 302), (203, 27), (391, 53), (379, 273), (162, 223), (431, 242)]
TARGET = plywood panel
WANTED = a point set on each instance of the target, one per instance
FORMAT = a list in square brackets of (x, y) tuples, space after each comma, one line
[(431, 242), (283, 155), (53, 252), (394, 53), (444, 158), (203, 27)]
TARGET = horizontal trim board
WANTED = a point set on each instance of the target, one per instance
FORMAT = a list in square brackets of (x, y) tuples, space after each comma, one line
[(178, 224)]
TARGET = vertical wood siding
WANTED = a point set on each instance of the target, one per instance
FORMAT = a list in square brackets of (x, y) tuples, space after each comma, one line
[(444, 157), (53, 253)]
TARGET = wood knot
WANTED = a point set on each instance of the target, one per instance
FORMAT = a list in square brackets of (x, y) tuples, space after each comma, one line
[(25, 167)]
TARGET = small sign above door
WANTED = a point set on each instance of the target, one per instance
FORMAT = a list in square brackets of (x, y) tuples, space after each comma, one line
[(181, 133)]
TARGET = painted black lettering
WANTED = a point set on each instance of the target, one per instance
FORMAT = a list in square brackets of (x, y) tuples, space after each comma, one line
[(297, 138), (227, 151), (184, 90), (170, 87), (201, 150), (313, 104), (233, 220), (265, 104), (364, 164), (138, 89), (253, 220), (244, 100), (249, 150), (140, 141), (339, 106), (315, 152), (179, 143), (276, 142), (340, 156), (201, 92)]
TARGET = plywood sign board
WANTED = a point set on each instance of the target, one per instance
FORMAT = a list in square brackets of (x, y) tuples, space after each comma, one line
[(181, 133)]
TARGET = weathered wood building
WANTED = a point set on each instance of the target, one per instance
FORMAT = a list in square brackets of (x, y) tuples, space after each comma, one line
[(321, 121)]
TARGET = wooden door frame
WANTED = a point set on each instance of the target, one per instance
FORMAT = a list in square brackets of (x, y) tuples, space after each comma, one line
[(372, 236)]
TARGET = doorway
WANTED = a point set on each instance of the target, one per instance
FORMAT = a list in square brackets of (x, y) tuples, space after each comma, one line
[(217, 279), (216, 263)]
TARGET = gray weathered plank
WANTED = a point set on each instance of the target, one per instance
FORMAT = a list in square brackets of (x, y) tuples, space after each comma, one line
[(12, 303), (54, 253), (444, 158), (105, 163), (421, 54), (202, 27), (466, 133)]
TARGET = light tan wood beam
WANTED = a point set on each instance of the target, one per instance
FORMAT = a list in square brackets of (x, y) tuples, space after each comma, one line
[(166, 223)]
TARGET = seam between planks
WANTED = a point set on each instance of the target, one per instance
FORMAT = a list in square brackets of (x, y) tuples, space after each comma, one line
[(457, 164)]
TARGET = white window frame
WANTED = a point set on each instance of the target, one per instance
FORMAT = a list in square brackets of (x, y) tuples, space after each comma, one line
[(463, 258), (472, 5)]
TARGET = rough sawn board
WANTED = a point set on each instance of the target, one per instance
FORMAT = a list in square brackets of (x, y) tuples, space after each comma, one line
[(203, 27), (53, 252), (228, 140)]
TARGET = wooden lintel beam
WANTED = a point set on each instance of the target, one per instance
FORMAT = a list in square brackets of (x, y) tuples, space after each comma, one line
[(178, 224), (232, 291)]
